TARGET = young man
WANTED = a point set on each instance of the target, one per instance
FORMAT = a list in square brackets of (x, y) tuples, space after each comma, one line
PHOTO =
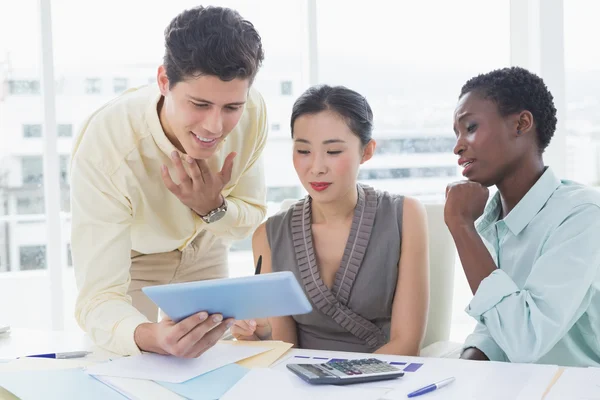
[(163, 177), (532, 260)]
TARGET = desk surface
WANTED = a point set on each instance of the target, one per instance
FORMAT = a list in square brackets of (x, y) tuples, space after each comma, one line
[(21, 342), (500, 378)]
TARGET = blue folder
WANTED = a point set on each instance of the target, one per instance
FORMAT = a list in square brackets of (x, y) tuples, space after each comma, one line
[(210, 386), (56, 385)]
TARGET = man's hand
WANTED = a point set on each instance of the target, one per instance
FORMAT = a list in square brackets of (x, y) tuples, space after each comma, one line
[(201, 189), (465, 202), (259, 329), (189, 338)]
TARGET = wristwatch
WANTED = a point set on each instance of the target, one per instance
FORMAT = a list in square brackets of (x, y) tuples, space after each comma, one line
[(215, 214)]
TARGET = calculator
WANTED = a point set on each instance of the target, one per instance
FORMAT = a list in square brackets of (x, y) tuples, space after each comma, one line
[(345, 372)]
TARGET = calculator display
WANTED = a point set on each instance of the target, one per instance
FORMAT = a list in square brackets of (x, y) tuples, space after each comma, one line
[(319, 372)]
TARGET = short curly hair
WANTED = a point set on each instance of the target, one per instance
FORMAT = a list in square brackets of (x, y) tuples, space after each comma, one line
[(515, 89)]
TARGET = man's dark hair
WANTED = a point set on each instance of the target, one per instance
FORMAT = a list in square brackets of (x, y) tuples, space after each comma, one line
[(211, 41), (351, 106), (514, 90)]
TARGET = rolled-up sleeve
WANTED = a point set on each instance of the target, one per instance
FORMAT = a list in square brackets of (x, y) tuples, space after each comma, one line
[(101, 249), (481, 339), (527, 323)]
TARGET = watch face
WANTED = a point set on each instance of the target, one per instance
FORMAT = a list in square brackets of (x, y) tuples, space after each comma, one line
[(216, 216)]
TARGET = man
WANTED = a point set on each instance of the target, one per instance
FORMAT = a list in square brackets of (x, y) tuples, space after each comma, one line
[(163, 177)]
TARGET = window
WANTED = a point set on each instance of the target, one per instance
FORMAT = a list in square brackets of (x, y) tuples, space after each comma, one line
[(279, 194), (23, 87), (32, 257), (404, 173), (69, 257), (412, 89), (93, 86), (582, 66), (32, 130), (286, 88), (22, 235), (5, 246), (437, 144), (119, 85), (32, 170), (35, 130), (30, 202), (64, 130), (64, 169), (275, 127)]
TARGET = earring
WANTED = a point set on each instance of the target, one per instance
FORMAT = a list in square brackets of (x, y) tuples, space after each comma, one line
[(518, 131)]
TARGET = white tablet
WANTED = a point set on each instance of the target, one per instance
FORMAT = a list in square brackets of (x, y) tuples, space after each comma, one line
[(258, 296)]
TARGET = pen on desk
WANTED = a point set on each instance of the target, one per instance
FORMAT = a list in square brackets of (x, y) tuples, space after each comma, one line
[(432, 387), (66, 355), (258, 264)]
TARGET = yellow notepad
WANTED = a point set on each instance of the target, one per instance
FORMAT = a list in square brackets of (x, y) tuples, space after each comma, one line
[(262, 360)]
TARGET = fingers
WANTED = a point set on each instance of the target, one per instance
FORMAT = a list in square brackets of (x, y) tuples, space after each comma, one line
[(205, 171), (183, 327), (243, 329), (227, 167), (210, 339), (181, 172), (189, 341), (195, 173), (166, 177)]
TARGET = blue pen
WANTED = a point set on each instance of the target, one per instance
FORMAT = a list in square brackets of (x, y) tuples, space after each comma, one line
[(66, 355), (432, 387)]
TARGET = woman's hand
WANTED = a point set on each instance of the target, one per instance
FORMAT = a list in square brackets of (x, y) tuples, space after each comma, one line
[(259, 329)]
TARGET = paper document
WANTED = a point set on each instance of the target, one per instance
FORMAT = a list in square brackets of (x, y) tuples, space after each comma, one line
[(43, 364), (476, 380), (576, 384), (56, 385), (138, 389), (263, 360), (209, 386), (157, 367), (270, 384)]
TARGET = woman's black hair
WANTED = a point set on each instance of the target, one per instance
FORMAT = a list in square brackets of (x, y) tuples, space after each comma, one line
[(348, 104), (514, 90)]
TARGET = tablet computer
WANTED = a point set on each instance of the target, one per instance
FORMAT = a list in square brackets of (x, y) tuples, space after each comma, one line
[(258, 296)]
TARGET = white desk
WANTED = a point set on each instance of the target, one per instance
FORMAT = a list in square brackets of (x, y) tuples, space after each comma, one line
[(494, 380), (21, 342)]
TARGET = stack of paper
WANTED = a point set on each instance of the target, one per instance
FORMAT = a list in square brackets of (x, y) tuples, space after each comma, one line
[(56, 385), (157, 367), (138, 389), (266, 359), (205, 378), (209, 386), (576, 384), (477, 380), (141, 377)]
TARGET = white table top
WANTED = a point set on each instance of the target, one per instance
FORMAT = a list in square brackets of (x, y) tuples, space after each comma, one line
[(22, 342), (497, 376)]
